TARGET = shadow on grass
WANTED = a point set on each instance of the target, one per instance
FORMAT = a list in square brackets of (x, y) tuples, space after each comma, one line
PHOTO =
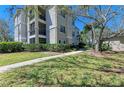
[(75, 62), (114, 60)]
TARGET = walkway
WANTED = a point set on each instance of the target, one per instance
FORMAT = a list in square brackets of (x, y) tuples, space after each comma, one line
[(30, 62)]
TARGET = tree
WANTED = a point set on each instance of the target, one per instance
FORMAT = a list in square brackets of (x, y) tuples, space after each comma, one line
[(97, 18), (84, 36), (4, 30)]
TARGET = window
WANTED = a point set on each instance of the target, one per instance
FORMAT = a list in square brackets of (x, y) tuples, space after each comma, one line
[(42, 13), (73, 34), (64, 42), (63, 14), (42, 28), (59, 41), (42, 40), (32, 40), (62, 29), (32, 28)]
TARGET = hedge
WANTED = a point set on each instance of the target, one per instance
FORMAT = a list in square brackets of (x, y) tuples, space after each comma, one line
[(56, 47), (7, 47), (47, 47), (32, 47)]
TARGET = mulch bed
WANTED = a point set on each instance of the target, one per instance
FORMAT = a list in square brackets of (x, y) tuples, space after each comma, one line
[(100, 54)]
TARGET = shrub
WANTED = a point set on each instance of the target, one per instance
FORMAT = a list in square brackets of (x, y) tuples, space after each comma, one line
[(7, 47), (87, 47), (32, 47), (56, 47), (74, 47), (82, 45), (106, 47), (47, 47)]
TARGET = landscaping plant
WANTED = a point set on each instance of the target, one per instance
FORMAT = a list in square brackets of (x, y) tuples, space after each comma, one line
[(7, 47)]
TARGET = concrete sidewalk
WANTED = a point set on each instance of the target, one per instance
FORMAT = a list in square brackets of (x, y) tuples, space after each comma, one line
[(30, 62)]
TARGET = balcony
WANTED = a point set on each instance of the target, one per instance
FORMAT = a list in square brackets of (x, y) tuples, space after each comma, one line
[(32, 28), (31, 15), (42, 13), (42, 28)]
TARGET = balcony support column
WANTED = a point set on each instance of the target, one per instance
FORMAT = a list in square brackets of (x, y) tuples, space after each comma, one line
[(36, 27)]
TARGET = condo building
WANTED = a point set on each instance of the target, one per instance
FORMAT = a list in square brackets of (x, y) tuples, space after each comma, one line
[(49, 25)]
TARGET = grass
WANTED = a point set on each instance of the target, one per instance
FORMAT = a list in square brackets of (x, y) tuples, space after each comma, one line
[(10, 58), (77, 70)]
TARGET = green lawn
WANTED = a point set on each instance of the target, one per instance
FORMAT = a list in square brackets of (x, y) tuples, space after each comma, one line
[(10, 58), (76, 70)]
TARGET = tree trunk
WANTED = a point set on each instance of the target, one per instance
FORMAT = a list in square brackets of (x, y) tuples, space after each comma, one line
[(100, 45), (96, 47), (100, 41), (93, 37)]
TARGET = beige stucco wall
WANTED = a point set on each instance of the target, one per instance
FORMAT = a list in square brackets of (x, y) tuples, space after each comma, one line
[(117, 44), (20, 33), (53, 22), (67, 22), (61, 21), (69, 29)]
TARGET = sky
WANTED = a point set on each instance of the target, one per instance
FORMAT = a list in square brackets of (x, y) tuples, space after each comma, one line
[(4, 15)]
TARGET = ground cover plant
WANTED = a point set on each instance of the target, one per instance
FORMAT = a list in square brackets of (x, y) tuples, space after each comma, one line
[(77, 70)]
